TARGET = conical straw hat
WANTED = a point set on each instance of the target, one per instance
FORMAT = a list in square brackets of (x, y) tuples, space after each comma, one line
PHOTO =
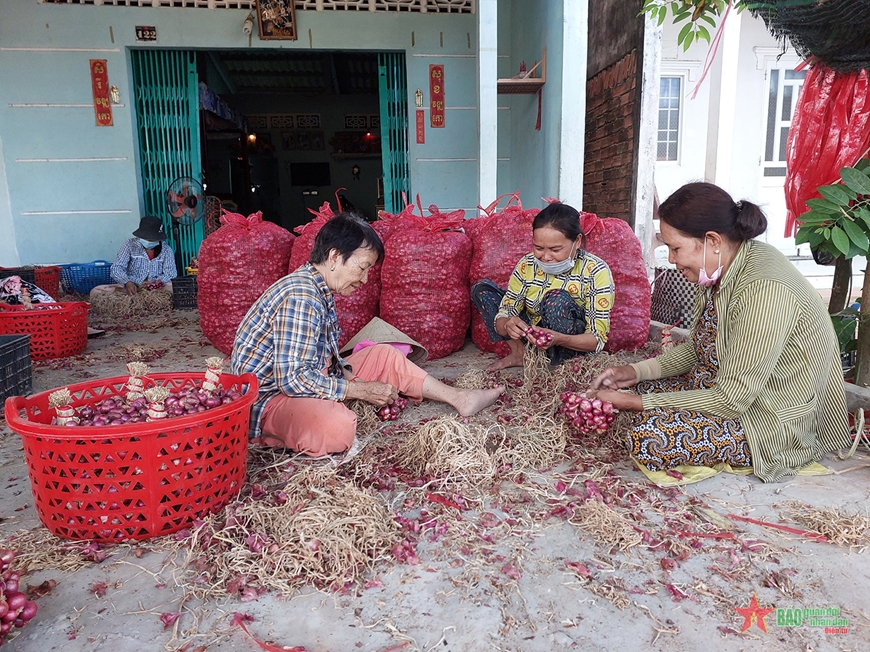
[(377, 330)]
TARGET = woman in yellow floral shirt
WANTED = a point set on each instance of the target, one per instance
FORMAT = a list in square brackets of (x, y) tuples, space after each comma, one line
[(559, 288)]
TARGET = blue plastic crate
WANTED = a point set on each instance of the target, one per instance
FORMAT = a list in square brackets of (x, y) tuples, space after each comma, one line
[(84, 277)]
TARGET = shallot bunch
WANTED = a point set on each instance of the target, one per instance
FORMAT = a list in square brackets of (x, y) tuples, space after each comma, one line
[(539, 337), (392, 412), (117, 412), (15, 609), (587, 415)]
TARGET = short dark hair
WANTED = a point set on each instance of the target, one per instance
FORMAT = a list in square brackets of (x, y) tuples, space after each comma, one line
[(565, 219), (346, 232), (699, 207)]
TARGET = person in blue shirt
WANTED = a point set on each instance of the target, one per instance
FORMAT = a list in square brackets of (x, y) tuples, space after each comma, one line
[(143, 258)]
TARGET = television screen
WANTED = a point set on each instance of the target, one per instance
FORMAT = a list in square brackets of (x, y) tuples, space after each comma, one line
[(309, 174)]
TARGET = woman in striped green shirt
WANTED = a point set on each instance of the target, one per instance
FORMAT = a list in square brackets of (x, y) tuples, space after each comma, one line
[(760, 382)]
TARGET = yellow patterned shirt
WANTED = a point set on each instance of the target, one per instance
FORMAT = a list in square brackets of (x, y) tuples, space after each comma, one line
[(589, 283)]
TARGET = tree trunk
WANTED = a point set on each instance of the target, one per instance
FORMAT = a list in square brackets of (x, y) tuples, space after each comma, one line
[(862, 375), (840, 288)]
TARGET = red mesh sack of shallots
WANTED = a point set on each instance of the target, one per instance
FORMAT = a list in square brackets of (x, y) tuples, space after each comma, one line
[(236, 265), (305, 235), (614, 241), (424, 281), (500, 239)]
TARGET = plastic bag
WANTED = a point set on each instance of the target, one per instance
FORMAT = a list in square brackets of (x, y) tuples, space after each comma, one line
[(237, 263), (830, 130)]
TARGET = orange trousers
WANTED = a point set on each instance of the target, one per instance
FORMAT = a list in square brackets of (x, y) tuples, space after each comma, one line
[(316, 426)]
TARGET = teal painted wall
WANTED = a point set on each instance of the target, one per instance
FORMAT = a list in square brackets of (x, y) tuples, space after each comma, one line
[(534, 169), (93, 206)]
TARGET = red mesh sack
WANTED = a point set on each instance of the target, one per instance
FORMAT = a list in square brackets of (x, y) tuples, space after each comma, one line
[(614, 241), (424, 281), (236, 265), (305, 235), (500, 239)]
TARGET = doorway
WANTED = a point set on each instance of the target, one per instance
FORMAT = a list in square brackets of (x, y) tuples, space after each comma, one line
[(275, 131)]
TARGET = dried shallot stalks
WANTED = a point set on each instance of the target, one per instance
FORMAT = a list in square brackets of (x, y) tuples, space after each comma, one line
[(215, 366), (156, 396), (60, 400), (135, 383)]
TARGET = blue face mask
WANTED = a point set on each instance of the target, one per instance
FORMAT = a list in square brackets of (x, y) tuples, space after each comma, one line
[(148, 244)]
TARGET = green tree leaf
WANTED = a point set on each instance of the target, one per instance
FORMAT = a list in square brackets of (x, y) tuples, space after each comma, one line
[(856, 234), (837, 194), (803, 236), (709, 20), (856, 180), (823, 206), (681, 14), (688, 42), (840, 240), (814, 218), (703, 34), (663, 12), (687, 29), (864, 214)]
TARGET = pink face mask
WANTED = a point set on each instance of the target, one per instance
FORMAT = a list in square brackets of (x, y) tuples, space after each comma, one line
[(703, 279)]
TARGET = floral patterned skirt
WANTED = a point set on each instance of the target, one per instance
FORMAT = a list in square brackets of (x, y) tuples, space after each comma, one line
[(662, 438)]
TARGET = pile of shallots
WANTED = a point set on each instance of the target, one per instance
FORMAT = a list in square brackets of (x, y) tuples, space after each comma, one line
[(391, 412), (15, 609), (587, 415), (139, 405)]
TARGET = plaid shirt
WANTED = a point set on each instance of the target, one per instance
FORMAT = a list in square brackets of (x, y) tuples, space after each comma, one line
[(132, 264), (288, 338), (589, 283)]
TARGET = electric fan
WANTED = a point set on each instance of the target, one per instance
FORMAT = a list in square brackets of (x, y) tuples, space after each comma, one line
[(184, 200)]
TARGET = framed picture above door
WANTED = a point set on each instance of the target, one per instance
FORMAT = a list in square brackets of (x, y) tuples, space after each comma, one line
[(277, 20)]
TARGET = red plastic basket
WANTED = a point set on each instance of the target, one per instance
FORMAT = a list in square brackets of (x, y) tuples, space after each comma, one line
[(56, 330), (111, 483), (48, 278)]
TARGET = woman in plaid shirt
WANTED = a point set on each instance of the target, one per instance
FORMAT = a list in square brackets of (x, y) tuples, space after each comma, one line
[(289, 339)]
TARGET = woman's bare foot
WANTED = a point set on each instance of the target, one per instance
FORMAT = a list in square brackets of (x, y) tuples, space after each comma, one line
[(511, 360), (472, 401)]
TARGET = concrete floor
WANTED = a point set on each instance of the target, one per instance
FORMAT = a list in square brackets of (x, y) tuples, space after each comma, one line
[(463, 600)]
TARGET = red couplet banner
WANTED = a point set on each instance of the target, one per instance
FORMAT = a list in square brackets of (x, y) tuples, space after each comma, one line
[(421, 127), (100, 86), (436, 96)]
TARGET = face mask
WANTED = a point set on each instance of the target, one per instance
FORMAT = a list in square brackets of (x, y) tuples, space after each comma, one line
[(703, 279), (557, 268), (148, 244)]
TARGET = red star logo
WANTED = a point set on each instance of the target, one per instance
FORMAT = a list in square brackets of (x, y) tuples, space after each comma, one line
[(756, 613)]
